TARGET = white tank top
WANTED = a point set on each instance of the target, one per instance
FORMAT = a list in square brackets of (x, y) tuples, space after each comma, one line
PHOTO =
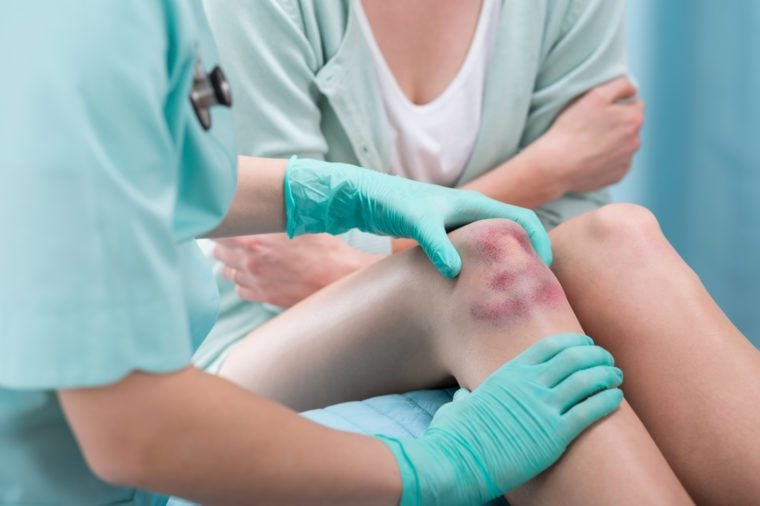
[(433, 142)]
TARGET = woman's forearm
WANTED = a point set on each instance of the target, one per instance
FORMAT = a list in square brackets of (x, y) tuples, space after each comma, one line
[(258, 206), (231, 446), (525, 180)]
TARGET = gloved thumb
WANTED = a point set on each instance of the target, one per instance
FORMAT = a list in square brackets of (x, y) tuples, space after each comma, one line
[(436, 244)]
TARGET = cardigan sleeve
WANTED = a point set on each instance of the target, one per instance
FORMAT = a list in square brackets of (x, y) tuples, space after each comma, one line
[(586, 49), (583, 48)]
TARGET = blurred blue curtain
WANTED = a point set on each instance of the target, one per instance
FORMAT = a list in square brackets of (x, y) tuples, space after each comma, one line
[(698, 66)]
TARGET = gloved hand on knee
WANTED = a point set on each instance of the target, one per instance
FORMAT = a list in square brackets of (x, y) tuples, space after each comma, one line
[(512, 427), (336, 197)]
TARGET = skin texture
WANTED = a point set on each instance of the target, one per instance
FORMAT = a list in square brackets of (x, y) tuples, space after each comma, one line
[(352, 350), (425, 42), (282, 271), (257, 206), (214, 443), (684, 360), (517, 286)]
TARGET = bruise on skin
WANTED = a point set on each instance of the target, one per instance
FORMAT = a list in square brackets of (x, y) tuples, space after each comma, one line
[(495, 241), (515, 282), (502, 281), (518, 291), (515, 273), (496, 311), (540, 295)]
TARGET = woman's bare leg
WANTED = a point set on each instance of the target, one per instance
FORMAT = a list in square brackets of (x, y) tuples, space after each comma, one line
[(691, 376), (399, 325)]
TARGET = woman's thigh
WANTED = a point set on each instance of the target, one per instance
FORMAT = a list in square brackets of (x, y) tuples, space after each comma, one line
[(399, 325)]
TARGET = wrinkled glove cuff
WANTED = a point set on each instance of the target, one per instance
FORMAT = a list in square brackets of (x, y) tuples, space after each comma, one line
[(321, 197), (436, 473), (294, 226), (411, 494)]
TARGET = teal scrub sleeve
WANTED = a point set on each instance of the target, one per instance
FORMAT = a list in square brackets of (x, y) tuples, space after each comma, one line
[(89, 132), (336, 197), (512, 427)]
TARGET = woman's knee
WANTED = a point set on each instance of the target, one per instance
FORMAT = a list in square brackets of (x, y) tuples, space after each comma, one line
[(630, 220), (620, 231), (502, 278)]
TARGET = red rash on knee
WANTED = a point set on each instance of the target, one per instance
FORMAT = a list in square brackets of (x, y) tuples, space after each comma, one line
[(497, 311), (504, 277), (537, 296), (520, 287), (513, 274), (502, 281), (494, 242)]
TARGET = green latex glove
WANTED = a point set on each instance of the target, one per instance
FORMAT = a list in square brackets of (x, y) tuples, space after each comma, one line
[(336, 197), (512, 427)]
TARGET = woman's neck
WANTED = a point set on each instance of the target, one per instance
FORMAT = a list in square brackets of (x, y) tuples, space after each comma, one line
[(424, 42)]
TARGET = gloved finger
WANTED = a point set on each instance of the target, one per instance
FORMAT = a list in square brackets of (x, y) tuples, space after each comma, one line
[(538, 235), (435, 242), (548, 347), (571, 360), (590, 411), (582, 384), (460, 394)]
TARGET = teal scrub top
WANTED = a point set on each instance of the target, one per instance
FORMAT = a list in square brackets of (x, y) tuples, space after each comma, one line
[(106, 178)]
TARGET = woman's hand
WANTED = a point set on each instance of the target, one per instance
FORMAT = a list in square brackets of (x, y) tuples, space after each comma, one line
[(274, 269), (336, 197), (592, 143)]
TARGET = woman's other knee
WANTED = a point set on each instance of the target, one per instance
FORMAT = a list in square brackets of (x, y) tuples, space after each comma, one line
[(614, 233), (618, 244), (634, 225)]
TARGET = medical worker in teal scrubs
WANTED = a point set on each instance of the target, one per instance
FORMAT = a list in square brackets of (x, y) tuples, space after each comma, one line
[(116, 151)]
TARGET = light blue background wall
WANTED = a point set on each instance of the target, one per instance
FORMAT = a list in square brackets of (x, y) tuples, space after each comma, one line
[(698, 65)]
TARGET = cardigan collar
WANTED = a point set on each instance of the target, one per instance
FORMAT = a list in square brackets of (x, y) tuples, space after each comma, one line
[(350, 85)]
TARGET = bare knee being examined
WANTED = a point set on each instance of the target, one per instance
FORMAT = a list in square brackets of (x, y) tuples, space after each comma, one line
[(504, 299)]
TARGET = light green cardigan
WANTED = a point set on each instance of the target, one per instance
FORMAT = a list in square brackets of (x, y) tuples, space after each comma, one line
[(303, 83)]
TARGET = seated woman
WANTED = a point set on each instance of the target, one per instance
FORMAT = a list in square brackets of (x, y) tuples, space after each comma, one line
[(405, 114)]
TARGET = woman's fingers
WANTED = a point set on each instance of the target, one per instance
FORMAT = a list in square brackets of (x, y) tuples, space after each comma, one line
[(571, 360), (584, 383), (230, 256), (590, 411), (248, 294), (235, 267), (548, 347)]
